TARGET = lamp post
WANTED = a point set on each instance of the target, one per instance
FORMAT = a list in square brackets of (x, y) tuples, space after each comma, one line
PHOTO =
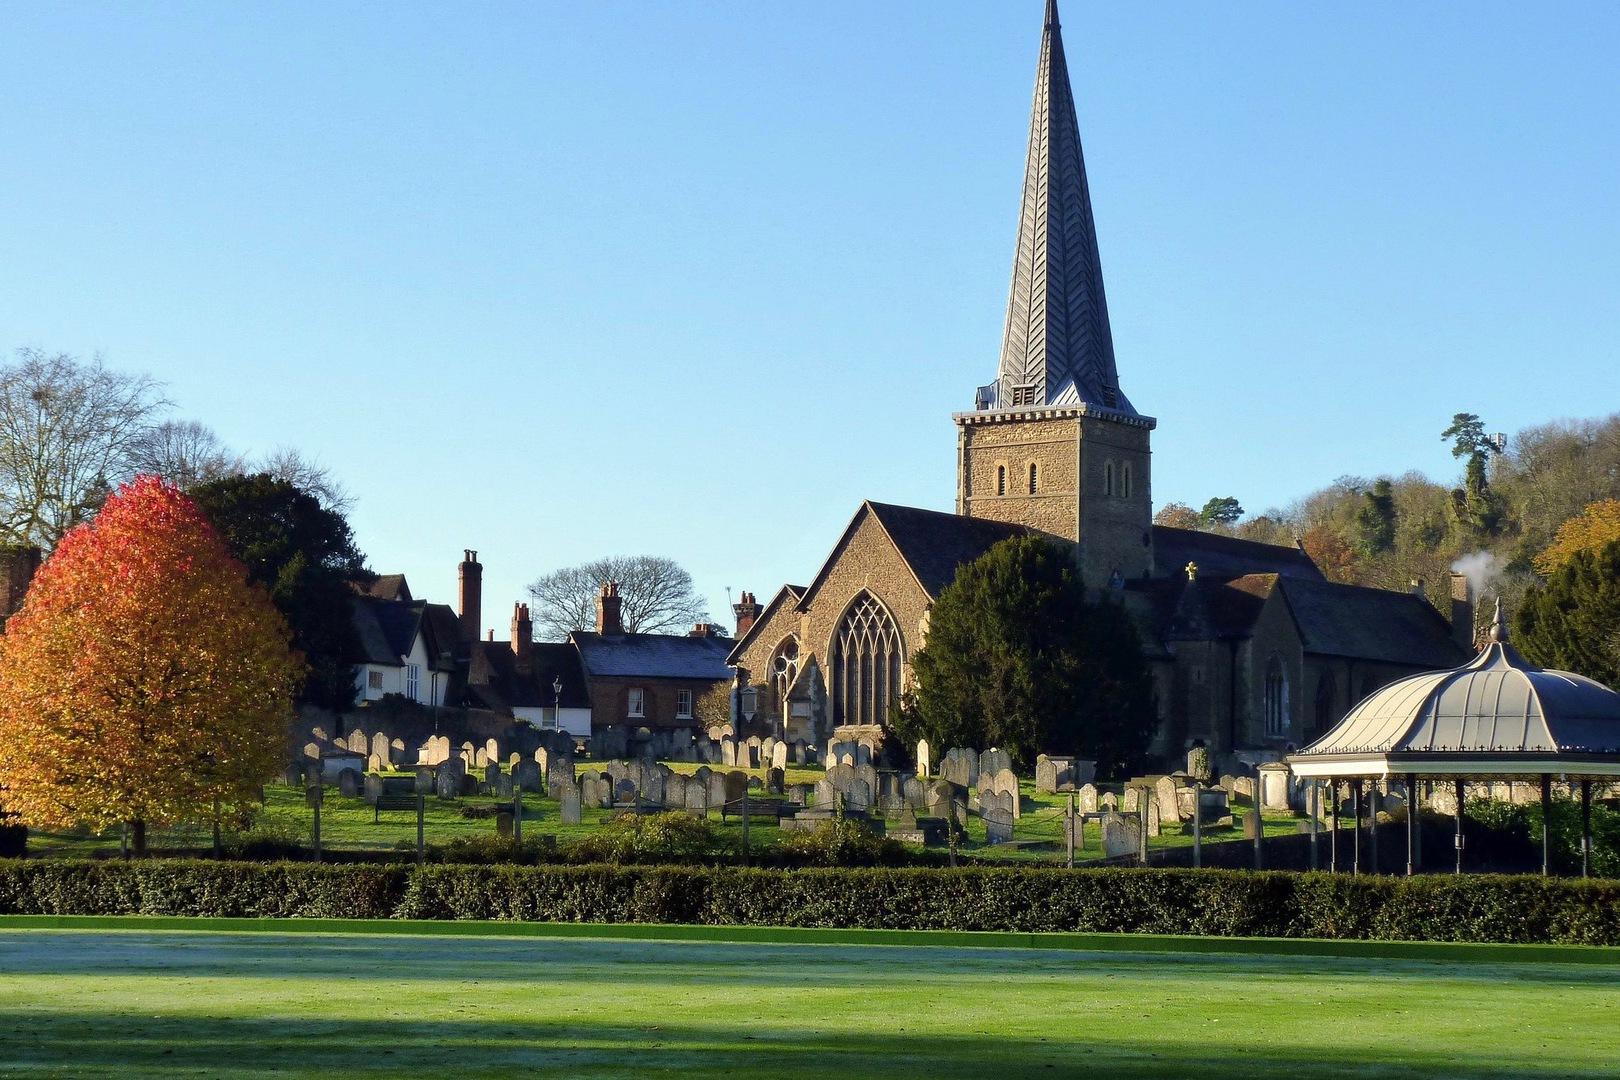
[(556, 702)]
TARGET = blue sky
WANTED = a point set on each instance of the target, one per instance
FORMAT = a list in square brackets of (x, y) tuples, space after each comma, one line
[(555, 280)]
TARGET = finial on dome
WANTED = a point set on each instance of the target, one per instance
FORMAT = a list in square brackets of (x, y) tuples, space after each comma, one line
[(1499, 630)]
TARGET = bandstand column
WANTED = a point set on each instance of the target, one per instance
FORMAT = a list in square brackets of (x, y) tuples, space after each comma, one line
[(1355, 807), (1459, 840), (1411, 825), (1546, 825), (1333, 826)]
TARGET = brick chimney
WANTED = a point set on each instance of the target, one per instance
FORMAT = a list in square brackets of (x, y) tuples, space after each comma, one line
[(747, 611), (470, 595), (1462, 611), (608, 620), (17, 567), (522, 635), (703, 629)]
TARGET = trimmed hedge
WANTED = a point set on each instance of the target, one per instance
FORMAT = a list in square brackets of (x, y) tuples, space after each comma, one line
[(1163, 901)]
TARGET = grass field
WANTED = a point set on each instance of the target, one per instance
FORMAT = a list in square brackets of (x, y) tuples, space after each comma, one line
[(159, 1003), (349, 824)]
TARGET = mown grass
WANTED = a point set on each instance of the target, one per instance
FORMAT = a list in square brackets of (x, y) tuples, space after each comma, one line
[(248, 1005)]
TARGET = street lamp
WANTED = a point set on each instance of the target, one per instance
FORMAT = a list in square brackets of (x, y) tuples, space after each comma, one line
[(556, 702)]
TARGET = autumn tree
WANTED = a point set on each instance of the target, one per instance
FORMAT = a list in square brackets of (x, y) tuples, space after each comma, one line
[(145, 680), (713, 706), (1177, 516), (1597, 527), (656, 594), (1019, 658)]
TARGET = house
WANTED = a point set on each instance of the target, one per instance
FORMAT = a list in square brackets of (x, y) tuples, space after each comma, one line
[(538, 682), (406, 647)]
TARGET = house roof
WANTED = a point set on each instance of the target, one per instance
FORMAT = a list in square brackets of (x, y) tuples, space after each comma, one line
[(1222, 558), (387, 629), (668, 656), (384, 587), (495, 681)]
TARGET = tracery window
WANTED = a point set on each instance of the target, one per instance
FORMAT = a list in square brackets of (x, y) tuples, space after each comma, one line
[(1276, 698), (867, 656), (785, 667)]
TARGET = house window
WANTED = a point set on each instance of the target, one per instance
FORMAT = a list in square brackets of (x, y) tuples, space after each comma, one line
[(866, 662), (1001, 479), (636, 706), (373, 680), (683, 704), (1276, 698), (413, 673), (1108, 478), (1032, 474)]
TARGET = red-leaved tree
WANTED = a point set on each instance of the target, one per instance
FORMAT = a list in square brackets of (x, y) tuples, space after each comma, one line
[(144, 677)]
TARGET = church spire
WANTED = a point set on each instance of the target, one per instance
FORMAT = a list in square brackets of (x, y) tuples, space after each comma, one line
[(1057, 348)]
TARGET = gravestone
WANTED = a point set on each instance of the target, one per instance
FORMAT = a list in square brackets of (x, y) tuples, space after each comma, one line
[(1154, 817), (373, 789), (796, 752), (728, 752), (960, 766), (799, 794), (748, 758), (1108, 803), (1088, 798), (1006, 782), (1275, 783), (868, 775), (697, 795), (571, 802), (780, 756), (915, 792), (358, 742), (826, 794), (503, 785), (774, 780), (1132, 800), (447, 778), (492, 773), (736, 782), (526, 775), (1243, 788), (675, 786), (596, 791), (426, 777), (924, 761), (375, 763), (1121, 835), (480, 758), (993, 761), (859, 796), (717, 789), (998, 826), (1167, 798), (382, 748), (840, 777)]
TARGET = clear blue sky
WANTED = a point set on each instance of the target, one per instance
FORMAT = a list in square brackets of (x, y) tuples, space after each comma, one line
[(555, 280)]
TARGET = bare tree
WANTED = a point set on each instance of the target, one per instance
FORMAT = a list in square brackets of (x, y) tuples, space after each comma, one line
[(185, 453), (68, 434), (308, 475), (656, 594)]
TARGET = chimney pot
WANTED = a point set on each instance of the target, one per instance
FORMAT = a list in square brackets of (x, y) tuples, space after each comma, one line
[(470, 598), (609, 619), (746, 611)]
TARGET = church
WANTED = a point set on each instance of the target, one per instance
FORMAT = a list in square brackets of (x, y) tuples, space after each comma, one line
[(1254, 652)]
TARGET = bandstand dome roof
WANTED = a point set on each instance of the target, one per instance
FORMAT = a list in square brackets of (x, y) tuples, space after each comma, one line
[(1498, 714)]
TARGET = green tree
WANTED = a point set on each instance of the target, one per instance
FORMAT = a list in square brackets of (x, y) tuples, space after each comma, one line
[(1477, 507), (1375, 520), (1018, 658), (1221, 511), (304, 553), (1573, 621)]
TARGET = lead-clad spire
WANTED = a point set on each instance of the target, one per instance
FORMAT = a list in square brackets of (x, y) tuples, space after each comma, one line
[(1057, 349)]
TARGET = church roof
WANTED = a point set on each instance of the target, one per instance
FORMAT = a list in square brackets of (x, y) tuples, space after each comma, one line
[(934, 544), (1370, 624), (1223, 558), (1057, 348)]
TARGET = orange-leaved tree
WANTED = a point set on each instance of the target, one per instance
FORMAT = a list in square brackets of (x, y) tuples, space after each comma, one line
[(1592, 530), (144, 677)]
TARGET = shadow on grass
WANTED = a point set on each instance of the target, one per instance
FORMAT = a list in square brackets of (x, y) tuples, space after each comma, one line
[(87, 1042)]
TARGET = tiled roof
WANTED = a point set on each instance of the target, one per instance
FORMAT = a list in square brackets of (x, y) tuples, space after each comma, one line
[(1222, 558), (1370, 624), (386, 629), (934, 544), (673, 656), (386, 587), (494, 681)]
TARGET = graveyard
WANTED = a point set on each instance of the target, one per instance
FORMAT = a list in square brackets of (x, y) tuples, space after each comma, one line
[(156, 1002)]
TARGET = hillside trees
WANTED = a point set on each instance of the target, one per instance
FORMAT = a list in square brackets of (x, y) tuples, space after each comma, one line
[(145, 679), (1573, 621), (1018, 658), (303, 553)]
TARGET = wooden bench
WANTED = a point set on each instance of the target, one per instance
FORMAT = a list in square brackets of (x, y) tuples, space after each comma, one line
[(391, 802), (758, 809)]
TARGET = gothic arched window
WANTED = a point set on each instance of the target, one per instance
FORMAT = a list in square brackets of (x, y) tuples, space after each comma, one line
[(1276, 697), (1326, 693), (867, 656), (1125, 481), (1108, 478)]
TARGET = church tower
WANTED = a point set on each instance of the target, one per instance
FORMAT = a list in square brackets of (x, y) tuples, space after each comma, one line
[(1054, 443)]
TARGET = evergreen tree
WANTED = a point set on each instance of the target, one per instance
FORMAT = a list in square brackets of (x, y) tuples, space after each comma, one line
[(1224, 510), (1573, 621), (1018, 658), (1476, 506), (1375, 520)]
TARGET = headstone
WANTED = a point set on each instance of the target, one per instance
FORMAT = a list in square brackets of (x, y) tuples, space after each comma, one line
[(1107, 803), (748, 759), (1243, 788), (382, 748), (526, 775), (993, 761), (840, 777), (774, 780), (1132, 801), (1121, 835), (800, 794), (447, 778), (826, 793), (697, 795), (796, 752), (736, 782), (859, 796), (1167, 796), (375, 763), (779, 756), (675, 786), (1006, 782), (480, 758), (492, 773), (728, 752), (960, 766), (914, 792), (924, 761), (998, 826), (571, 803), (426, 779), (1251, 824), (869, 775), (373, 789), (1088, 798), (1153, 816), (717, 789), (358, 742), (1274, 785), (503, 785)]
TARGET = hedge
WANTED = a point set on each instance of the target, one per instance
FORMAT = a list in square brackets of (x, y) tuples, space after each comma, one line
[(1116, 900)]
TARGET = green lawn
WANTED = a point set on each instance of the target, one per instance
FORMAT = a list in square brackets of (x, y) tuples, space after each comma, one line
[(154, 1003), (348, 824)]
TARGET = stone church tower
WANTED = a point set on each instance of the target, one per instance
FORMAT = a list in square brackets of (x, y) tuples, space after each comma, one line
[(1054, 443)]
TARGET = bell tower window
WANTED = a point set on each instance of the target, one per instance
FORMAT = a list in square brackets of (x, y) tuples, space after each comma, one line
[(1108, 478), (1032, 477), (1001, 479)]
